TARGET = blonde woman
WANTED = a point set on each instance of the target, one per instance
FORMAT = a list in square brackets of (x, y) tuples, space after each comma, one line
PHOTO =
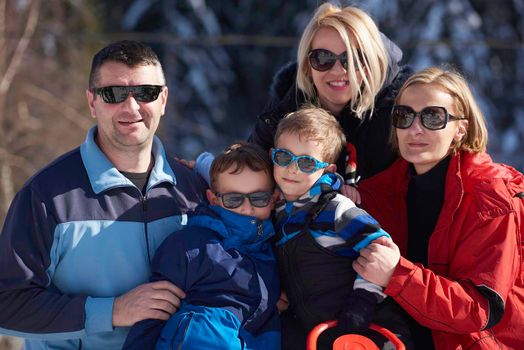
[(456, 216), (347, 67)]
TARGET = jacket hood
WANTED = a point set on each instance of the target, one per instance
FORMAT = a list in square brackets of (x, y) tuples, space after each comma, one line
[(474, 169), (481, 167), (326, 183), (247, 234), (394, 57)]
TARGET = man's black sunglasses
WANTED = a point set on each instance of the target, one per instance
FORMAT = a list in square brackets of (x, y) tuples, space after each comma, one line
[(234, 200), (432, 117), (117, 94)]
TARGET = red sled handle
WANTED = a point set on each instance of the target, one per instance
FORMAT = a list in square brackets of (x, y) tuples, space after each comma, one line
[(312, 337)]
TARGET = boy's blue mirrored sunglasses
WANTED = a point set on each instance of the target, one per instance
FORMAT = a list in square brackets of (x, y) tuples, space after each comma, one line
[(117, 94), (307, 164)]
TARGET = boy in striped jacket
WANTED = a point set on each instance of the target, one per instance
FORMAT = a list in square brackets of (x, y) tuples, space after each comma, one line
[(319, 235)]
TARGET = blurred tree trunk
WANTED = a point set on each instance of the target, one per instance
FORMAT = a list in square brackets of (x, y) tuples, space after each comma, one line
[(10, 64), (43, 74), (44, 61)]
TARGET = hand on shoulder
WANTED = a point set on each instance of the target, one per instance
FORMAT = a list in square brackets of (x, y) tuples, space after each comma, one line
[(352, 193), (378, 261)]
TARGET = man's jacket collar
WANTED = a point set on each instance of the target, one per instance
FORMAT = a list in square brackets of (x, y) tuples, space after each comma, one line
[(103, 175)]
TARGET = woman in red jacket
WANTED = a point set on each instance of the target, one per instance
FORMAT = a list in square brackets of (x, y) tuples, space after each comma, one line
[(456, 217)]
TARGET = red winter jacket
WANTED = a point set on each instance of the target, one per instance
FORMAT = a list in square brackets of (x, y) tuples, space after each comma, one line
[(475, 252)]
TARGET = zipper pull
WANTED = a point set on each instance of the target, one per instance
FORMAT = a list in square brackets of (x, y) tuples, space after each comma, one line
[(260, 230), (144, 203)]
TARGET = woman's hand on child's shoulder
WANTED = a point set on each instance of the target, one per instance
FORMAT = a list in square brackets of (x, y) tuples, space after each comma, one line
[(378, 261), (352, 193)]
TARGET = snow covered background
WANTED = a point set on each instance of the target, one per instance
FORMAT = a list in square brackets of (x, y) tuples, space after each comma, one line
[(220, 56)]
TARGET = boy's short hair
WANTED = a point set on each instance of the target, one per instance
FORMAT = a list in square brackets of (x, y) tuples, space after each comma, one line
[(315, 124), (239, 155)]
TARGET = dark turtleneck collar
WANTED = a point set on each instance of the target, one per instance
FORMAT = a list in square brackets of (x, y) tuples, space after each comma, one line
[(435, 177), (425, 198), (424, 202)]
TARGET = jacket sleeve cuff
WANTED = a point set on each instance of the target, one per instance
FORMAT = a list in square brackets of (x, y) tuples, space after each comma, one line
[(403, 273), (203, 166), (361, 283), (99, 315)]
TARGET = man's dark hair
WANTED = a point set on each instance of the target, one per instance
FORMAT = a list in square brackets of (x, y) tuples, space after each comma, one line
[(129, 52)]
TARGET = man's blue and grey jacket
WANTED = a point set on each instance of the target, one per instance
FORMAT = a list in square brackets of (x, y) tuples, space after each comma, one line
[(77, 235), (225, 264)]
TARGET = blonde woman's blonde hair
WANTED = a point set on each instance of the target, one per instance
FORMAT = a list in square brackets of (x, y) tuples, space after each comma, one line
[(314, 124), (367, 57), (451, 81)]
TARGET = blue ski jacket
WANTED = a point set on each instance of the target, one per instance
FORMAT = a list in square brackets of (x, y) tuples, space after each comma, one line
[(225, 264)]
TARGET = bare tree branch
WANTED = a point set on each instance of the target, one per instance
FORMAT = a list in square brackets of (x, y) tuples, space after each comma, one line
[(16, 59), (8, 161), (3, 51), (12, 160), (7, 186), (3, 6), (59, 105)]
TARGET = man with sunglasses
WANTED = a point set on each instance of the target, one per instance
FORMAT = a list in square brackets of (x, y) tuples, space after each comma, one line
[(78, 239), (224, 262)]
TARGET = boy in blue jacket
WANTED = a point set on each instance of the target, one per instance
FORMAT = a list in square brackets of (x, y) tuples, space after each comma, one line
[(224, 262)]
